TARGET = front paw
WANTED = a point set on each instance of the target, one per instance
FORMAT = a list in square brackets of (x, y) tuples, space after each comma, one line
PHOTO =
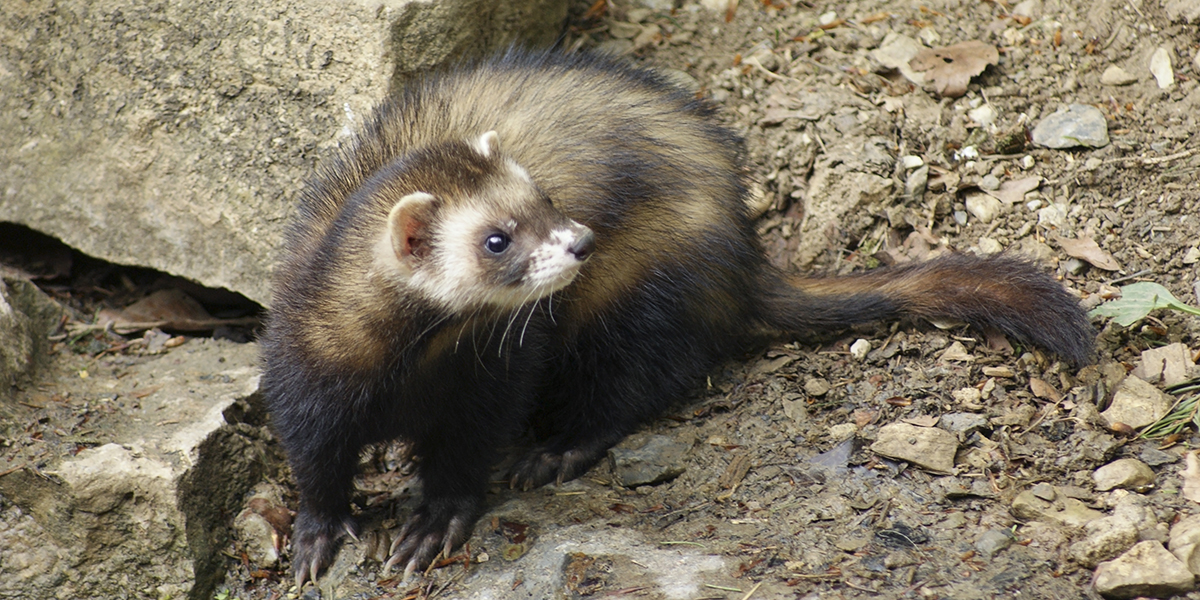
[(542, 465), (437, 527), (314, 543)]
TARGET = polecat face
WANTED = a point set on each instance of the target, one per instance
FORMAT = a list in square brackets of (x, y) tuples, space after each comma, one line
[(496, 241)]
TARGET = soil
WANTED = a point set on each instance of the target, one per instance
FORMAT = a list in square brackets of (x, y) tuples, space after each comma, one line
[(779, 482)]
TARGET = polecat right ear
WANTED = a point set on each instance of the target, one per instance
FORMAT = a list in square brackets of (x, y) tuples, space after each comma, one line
[(487, 143), (408, 227)]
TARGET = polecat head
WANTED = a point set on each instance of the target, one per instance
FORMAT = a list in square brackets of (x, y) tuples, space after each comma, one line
[(477, 232)]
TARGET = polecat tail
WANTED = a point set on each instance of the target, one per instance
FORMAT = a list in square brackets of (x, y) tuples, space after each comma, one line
[(1007, 293)]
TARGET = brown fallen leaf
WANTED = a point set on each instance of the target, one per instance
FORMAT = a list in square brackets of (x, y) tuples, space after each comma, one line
[(922, 420), (950, 68), (1043, 390), (169, 308), (1012, 192), (1087, 249)]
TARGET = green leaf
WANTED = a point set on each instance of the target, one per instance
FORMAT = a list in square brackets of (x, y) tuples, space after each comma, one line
[(1137, 300)]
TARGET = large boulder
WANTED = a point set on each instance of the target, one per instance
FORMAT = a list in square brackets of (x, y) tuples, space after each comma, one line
[(176, 135)]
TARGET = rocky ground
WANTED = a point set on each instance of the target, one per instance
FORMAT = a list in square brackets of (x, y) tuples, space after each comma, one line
[(893, 461)]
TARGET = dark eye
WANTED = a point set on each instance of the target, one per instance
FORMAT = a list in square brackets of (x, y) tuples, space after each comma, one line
[(497, 243)]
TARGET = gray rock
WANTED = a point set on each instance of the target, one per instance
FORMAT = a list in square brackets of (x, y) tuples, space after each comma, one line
[(927, 447), (1136, 404), (1105, 538), (816, 386), (1154, 457), (1127, 473), (1062, 510), (149, 510), (648, 459), (1115, 75), (992, 541), (1147, 569), (964, 423), (1075, 125), (1185, 542), (984, 207), (178, 135), (1166, 365)]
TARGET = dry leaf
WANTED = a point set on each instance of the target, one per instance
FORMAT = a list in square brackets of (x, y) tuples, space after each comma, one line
[(1043, 390), (951, 68), (1012, 192), (1191, 478), (1087, 249), (922, 420)]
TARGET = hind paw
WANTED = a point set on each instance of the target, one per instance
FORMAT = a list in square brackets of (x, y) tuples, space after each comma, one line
[(542, 466)]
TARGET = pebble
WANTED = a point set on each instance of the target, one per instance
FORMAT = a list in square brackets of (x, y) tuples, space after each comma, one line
[(1074, 266), (1004, 372), (989, 246), (815, 386), (911, 161), (1156, 458), (1104, 539), (967, 395), (990, 182), (1136, 404), (1045, 491), (1167, 365), (1192, 256), (964, 423), (1053, 216), (1185, 542), (983, 207), (1075, 125), (1027, 8), (1160, 67), (646, 460), (1027, 162), (992, 541), (1115, 75), (960, 217), (1147, 569), (859, 349), (985, 115), (843, 431), (927, 447), (1066, 511)]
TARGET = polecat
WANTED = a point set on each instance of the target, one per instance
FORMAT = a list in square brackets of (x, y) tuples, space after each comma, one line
[(550, 237)]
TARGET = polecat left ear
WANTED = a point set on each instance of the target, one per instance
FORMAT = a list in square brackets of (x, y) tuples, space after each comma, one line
[(408, 226), (488, 143)]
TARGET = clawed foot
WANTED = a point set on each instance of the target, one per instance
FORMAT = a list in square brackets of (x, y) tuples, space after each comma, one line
[(436, 528), (314, 543), (542, 466)]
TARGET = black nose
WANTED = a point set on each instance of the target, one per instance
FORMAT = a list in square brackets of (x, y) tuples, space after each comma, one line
[(583, 245)]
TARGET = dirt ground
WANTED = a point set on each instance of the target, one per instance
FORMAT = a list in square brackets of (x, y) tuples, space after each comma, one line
[(779, 481)]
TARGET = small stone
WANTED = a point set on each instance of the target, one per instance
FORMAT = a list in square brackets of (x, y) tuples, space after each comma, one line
[(929, 36), (1027, 162), (1074, 266), (1104, 539), (648, 459), (1192, 256), (992, 541), (1147, 569), (1052, 217), (1154, 457), (983, 207), (964, 423), (1003, 372), (960, 217), (827, 18), (989, 246), (815, 386), (1063, 511), (953, 520), (911, 161), (927, 447), (859, 349), (1044, 491), (1027, 8), (1136, 404), (1126, 473), (914, 185), (1160, 67), (985, 115), (967, 395), (1185, 542), (843, 431), (900, 558), (1075, 125), (1115, 75), (990, 182), (1166, 365)]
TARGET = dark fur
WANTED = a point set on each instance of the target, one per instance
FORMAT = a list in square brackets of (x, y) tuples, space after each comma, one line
[(677, 284)]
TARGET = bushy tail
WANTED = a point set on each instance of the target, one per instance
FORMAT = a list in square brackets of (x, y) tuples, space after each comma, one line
[(1004, 292)]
